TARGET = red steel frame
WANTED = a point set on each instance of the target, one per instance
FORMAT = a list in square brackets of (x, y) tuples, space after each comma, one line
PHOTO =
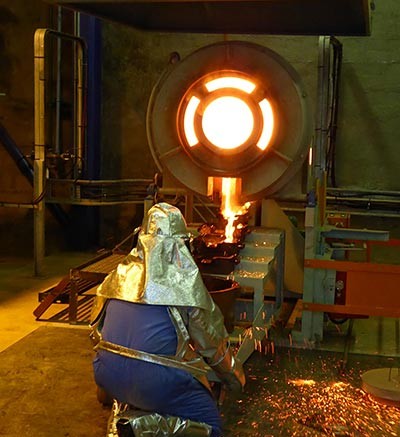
[(371, 289)]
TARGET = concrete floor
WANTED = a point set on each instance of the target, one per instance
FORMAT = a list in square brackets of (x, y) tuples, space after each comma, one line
[(19, 292), (373, 338)]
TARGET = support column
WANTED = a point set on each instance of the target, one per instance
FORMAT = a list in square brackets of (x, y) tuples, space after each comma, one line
[(39, 161)]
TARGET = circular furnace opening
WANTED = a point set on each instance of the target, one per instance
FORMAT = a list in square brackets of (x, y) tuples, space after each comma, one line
[(231, 109)]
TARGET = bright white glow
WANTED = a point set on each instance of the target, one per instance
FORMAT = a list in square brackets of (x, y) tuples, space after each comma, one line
[(227, 122), (231, 82), (268, 125), (188, 121)]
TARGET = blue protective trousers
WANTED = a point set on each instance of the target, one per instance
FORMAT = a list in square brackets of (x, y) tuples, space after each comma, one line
[(148, 386)]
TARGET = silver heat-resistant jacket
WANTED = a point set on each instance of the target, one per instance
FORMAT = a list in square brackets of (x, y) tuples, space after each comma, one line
[(161, 271)]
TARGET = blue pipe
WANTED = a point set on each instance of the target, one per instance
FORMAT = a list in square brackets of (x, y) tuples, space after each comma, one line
[(13, 150), (91, 32)]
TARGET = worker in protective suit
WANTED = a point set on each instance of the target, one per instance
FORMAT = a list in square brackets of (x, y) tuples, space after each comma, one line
[(158, 334)]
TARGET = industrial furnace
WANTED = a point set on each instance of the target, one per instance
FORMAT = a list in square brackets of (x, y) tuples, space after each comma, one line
[(232, 109)]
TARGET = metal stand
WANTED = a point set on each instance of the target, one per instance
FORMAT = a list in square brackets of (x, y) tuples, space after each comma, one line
[(262, 261)]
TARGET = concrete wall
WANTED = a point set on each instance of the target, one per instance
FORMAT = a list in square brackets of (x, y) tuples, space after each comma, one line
[(18, 22), (368, 145)]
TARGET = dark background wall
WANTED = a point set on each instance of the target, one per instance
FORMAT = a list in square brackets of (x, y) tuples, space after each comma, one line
[(18, 22), (367, 148)]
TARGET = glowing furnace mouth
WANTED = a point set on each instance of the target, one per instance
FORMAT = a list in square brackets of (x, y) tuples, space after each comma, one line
[(227, 112)]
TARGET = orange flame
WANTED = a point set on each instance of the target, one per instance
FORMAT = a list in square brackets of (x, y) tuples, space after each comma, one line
[(230, 207)]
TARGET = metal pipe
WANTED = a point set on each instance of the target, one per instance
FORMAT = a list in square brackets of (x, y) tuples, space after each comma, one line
[(346, 211), (88, 202), (319, 151), (17, 205), (78, 98), (17, 156), (366, 192), (107, 181), (362, 200), (334, 108), (360, 193), (357, 202), (91, 31), (39, 165), (58, 82)]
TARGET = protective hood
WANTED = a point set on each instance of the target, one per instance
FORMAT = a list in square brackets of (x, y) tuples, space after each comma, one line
[(160, 270)]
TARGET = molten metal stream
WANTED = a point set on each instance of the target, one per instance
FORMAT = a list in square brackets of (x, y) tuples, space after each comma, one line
[(230, 207)]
